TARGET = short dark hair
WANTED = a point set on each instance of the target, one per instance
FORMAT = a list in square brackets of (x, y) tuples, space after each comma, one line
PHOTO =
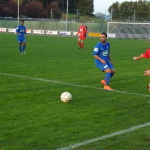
[(103, 33), (21, 20)]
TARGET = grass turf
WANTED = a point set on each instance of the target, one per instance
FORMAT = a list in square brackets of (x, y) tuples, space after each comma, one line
[(32, 115)]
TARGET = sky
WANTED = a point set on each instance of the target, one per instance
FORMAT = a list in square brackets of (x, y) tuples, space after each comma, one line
[(103, 5)]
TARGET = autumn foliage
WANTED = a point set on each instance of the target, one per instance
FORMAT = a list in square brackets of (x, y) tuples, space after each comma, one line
[(31, 9)]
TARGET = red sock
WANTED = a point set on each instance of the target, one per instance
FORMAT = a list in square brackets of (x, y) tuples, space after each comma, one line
[(79, 43), (82, 45)]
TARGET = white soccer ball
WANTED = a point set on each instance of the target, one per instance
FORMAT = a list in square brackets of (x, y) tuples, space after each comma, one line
[(66, 97)]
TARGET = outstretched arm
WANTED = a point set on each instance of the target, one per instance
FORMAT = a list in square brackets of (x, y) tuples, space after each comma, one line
[(147, 73), (78, 32), (139, 57)]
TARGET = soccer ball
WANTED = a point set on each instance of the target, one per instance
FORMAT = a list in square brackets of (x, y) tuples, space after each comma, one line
[(65, 97)]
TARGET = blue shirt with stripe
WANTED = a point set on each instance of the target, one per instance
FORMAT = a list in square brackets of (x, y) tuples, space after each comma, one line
[(102, 50), (21, 30)]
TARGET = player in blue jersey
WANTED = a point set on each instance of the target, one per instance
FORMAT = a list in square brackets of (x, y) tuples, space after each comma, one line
[(21, 37), (103, 60)]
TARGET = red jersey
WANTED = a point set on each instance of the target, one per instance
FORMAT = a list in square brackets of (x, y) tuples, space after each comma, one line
[(147, 54), (82, 31)]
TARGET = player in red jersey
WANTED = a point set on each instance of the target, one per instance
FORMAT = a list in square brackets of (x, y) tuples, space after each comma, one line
[(82, 35), (144, 55)]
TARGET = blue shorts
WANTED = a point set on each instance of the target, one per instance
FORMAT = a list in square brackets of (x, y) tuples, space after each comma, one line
[(103, 67), (21, 39)]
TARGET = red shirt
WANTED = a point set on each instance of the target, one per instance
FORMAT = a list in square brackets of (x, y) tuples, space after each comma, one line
[(147, 54), (82, 30)]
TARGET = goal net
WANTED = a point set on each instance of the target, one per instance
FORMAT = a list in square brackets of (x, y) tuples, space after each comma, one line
[(128, 30)]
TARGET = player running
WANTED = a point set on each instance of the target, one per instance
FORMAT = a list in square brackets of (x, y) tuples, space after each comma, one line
[(103, 60), (21, 37), (82, 35), (144, 55)]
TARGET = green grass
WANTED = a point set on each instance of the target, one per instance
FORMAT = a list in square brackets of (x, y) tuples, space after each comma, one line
[(32, 117)]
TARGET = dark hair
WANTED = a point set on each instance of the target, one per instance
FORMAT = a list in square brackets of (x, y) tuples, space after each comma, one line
[(21, 20), (103, 33)]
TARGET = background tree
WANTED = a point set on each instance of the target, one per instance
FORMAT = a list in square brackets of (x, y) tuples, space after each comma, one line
[(127, 10), (149, 11), (131, 10), (85, 7), (2, 10), (4, 1), (115, 10), (100, 15), (53, 10), (10, 8), (142, 10), (35, 10)]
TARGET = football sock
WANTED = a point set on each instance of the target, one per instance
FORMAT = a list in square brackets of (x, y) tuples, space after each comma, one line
[(20, 48), (24, 46), (79, 43), (82, 45), (112, 74), (107, 78)]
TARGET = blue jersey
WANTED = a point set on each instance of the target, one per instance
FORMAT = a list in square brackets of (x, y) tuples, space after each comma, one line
[(102, 50), (21, 30)]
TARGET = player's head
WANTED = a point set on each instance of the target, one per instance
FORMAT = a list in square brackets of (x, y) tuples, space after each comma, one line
[(21, 22), (103, 37), (81, 24)]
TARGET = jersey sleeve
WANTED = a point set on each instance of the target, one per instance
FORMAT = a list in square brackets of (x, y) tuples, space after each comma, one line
[(147, 54), (96, 50), (84, 29), (25, 30), (18, 29)]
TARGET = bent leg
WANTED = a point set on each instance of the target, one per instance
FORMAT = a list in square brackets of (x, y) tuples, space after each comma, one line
[(107, 76), (112, 72)]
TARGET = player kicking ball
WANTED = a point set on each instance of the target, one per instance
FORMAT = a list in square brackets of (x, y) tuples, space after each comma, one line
[(144, 55), (21, 37), (103, 60), (82, 35)]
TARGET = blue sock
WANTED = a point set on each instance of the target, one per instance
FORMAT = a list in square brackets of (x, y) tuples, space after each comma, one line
[(107, 78), (20, 48), (112, 74), (24, 46)]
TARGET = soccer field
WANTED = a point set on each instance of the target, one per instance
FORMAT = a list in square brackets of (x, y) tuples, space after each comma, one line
[(32, 117)]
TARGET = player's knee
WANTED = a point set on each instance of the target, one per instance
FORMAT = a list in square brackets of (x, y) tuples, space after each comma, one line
[(113, 71), (107, 70)]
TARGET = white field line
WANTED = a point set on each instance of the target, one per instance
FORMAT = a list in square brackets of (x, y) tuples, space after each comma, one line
[(100, 138), (71, 84)]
